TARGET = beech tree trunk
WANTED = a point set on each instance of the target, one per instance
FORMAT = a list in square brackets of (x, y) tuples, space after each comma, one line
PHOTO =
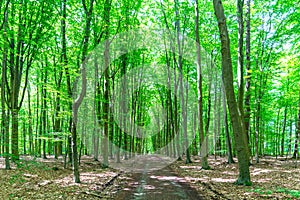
[(247, 112), (228, 139), (5, 120), (107, 8), (295, 155), (204, 153), (240, 68), (75, 108), (241, 144), (180, 81)]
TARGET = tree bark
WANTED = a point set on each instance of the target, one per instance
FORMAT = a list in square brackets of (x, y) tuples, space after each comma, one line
[(227, 76), (75, 108), (204, 155), (296, 150), (283, 131), (247, 113), (240, 68), (180, 80), (228, 139), (30, 129), (107, 8), (44, 111), (5, 120)]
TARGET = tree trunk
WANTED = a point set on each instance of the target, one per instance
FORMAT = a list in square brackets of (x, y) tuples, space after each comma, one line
[(64, 61), (107, 8), (295, 155), (227, 76), (283, 132), (30, 129), (75, 108), (180, 80), (257, 130), (228, 139), (247, 112), (204, 154), (5, 120), (240, 68), (57, 119), (44, 112), (15, 135), (24, 137)]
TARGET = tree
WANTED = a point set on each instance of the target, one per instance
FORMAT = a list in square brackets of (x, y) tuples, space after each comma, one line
[(203, 145), (296, 148), (241, 144), (228, 139), (106, 18), (27, 28), (247, 112), (5, 119)]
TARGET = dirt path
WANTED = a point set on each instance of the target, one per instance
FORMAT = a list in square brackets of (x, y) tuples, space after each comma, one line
[(161, 184)]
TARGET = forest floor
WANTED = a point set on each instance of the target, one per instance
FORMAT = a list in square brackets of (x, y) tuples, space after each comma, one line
[(47, 179)]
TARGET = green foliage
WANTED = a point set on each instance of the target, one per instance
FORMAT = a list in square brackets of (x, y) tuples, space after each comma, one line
[(293, 193), (17, 178)]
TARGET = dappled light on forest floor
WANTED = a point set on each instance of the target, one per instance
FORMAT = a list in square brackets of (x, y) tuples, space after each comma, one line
[(39, 180), (271, 178), (169, 178), (223, 180), (47, 179), (191, 167), (261, 171)]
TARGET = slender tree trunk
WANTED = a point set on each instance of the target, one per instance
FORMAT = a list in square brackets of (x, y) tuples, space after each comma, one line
[(30, 129), (204, 153), (219, 120), (64, 62), (290, 139), (257, 133), (236, 120), (15, 135), (24, 137), (111, 121), (247, 113), (123, 104), (215, 113), (37, 122), (296, 150), (107, 8), (180, 80), (283, 131), (5, 119), (240, 72), (57, 119), (228, 139), (44, 113), (75, 108)]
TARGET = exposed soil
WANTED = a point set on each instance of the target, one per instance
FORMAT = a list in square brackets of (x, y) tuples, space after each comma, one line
[(47, 179), (161, 184)]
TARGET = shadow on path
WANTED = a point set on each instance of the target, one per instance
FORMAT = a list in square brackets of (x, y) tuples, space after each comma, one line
[(161, 184)]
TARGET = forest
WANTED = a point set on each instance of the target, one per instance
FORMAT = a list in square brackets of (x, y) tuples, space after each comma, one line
[(159, 99)]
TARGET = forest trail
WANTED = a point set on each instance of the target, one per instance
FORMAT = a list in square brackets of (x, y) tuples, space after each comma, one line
[(160, 184)]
